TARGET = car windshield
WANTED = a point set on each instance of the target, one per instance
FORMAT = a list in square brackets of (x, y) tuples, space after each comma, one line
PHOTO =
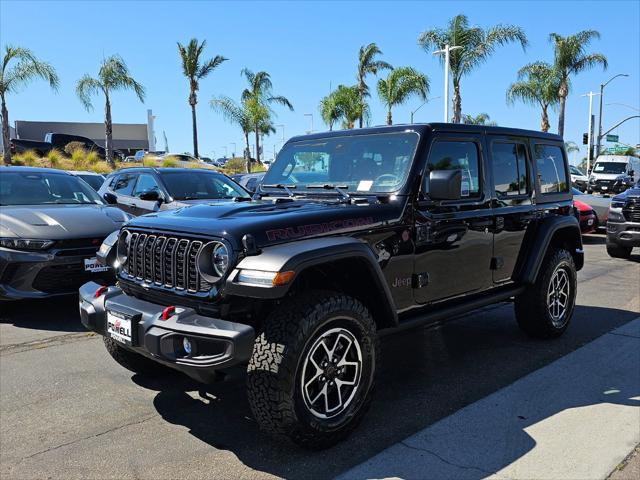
[(376, 163), (196, 185), (610, 167), (41, 188), (95, 181), (575, 170)]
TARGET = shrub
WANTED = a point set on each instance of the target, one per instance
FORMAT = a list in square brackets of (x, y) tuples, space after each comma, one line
[(236, 165), (169, 161), (149, 161), (91, 158), (78, 158), (101, 167), (28, 158), (54, 157), (71, 147)]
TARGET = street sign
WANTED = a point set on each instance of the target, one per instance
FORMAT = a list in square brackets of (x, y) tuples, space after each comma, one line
[(612, 138)]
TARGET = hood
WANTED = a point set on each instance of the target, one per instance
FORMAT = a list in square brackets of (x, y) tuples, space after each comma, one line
[(271, 222), (608, 176), (633, 192), (60, 222)]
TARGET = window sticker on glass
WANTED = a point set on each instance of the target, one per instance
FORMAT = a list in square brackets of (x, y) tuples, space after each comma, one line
[(365, 185), (599, 168), (464, 188)]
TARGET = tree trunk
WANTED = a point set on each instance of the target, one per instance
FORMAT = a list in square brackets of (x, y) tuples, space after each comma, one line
[(6, 140), (192, 102), (247, 152), (361, 91), (108, 128), (562, 93), (389, 121), (257, 144), (544, 122), (456, 101)]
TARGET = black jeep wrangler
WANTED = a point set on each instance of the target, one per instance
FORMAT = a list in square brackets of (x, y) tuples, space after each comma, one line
[(349, 233)]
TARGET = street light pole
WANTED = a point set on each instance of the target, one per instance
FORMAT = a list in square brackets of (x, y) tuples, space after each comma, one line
[(278, 126), (447, 48), (234, 148), (422, 105), (590, 134), (602, 85), (310, 115)]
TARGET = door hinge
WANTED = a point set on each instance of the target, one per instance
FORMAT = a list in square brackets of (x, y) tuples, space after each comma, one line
[(497, 263), (420, 280)]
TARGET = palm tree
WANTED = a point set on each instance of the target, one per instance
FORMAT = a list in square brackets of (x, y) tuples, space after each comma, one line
[(25, 68), (113, 75), (350, 106), (367, 64), (480, 119), (260, 91), (570, 59), (477, 45), (195, 70), (330, 110), (400, 85), (537, 84)]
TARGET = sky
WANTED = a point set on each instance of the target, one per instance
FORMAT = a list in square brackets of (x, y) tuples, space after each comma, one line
[(308, 47)]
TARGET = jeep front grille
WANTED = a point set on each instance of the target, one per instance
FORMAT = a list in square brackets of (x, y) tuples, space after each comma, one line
[(165, 261)]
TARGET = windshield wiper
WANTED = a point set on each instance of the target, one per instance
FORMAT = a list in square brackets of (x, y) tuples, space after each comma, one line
[(281, 186), (338, 188)]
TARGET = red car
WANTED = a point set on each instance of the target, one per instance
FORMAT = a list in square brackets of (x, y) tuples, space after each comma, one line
[(586, 216)]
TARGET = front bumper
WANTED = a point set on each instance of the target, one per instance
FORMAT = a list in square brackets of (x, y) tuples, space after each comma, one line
[(217, 344), (32, 275), (626, 234), (608, 187)]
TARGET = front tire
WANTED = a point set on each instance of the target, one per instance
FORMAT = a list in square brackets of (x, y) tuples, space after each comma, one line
[(618, 251), (545, 309), (313, 369)]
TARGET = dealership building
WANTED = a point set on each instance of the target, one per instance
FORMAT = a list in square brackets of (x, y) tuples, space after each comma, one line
[(128, 137)]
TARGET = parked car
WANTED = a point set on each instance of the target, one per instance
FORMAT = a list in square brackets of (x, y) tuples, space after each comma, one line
[(181, 157), (51, 226), (130, 159), (623, 227), (95, 180), (599, 204), (58, 141), (142, 190), (249, 180), (356, 232), (585, 215), (578, 179), (613, 173)]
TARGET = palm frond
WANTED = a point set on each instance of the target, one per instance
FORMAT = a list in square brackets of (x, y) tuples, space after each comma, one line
[(86, 87), (27, 68), (209, 66)]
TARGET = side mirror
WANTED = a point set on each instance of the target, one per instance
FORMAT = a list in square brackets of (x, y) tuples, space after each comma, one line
[(151, 195), (445, 184), (110, 198)]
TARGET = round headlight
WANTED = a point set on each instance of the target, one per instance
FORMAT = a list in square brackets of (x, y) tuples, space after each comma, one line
[(123, 247), (220, 259)]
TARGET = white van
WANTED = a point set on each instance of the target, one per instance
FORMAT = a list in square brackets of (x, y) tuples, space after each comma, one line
[(613, 173)]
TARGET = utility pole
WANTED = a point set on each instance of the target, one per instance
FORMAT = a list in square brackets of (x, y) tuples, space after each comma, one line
[(311, 116), (602, 85), (590, 134), (447, 48)]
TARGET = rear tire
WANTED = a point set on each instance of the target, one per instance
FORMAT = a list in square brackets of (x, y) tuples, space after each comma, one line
[(618, 251), (313, 368), (133, 361), (544, 310)]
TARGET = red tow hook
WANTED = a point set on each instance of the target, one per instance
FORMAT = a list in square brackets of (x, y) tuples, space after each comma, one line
[(100, 291), (167, 313)]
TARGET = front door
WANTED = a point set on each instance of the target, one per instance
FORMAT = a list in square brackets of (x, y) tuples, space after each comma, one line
[(454, 239), (146, 182)]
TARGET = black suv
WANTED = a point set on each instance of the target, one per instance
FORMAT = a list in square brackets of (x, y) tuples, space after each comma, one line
[(623, 224), (143, 190), (349, 233)]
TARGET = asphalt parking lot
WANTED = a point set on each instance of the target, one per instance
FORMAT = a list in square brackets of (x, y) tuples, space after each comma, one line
[(68, 410)]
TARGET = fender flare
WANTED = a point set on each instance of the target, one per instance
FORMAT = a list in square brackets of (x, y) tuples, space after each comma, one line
[(299, 256), (541, 239)]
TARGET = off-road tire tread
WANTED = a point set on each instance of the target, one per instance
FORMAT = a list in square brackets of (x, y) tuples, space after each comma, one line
[(531, 306), (276, 351)]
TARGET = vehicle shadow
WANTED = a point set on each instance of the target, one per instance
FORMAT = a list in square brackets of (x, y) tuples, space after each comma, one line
[(594, 239), (427, 375), (54, 314)]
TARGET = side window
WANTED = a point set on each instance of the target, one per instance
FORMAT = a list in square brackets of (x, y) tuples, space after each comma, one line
[(458, 155), (509, 169), (145, 182), (124, 184), (551, 171)]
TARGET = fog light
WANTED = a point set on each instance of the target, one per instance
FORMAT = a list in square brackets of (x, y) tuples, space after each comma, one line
[(186, 344)]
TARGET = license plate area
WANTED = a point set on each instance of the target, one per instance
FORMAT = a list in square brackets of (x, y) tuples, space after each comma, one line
[(92, 265), (121, 327)]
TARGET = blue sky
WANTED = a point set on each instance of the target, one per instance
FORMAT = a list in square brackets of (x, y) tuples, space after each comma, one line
[(306, 47)]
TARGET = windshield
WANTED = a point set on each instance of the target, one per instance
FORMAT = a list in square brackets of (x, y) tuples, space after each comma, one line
[(38, 188), (95, 181), (377, 163), (575, 170), (610, 167), (195, 185)]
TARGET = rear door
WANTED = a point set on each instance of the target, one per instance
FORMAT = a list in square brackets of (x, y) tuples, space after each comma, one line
[(123, 189), (454, 240), (513, 209)]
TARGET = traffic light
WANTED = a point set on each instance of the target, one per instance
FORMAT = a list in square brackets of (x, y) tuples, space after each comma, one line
[(585, 138)]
